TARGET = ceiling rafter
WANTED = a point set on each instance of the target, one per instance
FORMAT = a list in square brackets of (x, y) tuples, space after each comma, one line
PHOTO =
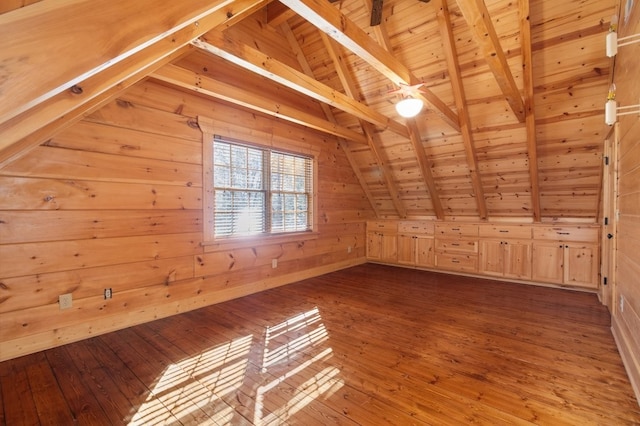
[(221, 45), (191, 80), (374, 140), (453, 66), (54, 104), (331, 21), (278, 13), (344, 144), (529, 106), (477, 16), (424, 163)]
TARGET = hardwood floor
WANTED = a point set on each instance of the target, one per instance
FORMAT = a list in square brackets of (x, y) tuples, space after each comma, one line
[(369, 345)]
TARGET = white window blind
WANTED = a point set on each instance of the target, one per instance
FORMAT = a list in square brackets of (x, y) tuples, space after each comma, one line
[(260, 191)]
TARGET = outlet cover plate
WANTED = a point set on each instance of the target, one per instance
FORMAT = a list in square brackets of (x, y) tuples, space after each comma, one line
[(65, 301)]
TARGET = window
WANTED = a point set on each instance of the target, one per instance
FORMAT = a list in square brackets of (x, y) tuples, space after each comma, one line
[(260, 191)]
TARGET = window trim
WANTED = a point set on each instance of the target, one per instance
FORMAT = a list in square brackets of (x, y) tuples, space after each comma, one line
[(254, 138)]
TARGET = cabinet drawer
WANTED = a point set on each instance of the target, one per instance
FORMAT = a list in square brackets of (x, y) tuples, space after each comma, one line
[(382, 226), (416, 227), (459, 245), (456, 230), (453, 262), (505, 231), (566, 233)]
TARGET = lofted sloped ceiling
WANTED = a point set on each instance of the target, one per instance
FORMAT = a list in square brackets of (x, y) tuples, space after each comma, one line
[(514, 92)]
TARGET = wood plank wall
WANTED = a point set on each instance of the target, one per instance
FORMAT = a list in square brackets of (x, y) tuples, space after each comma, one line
[(116, 202), (626, 314)]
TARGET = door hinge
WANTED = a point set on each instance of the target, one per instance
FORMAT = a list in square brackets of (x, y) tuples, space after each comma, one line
[(606, 160), (604, 280), (606, 220)]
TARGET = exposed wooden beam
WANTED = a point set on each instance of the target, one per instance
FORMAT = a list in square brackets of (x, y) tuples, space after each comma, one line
[(31, 102), (86, 37), (477, 16), (425, 166), (344, 144), (37, 136), (375, 144), (278, 13), (190, 80), (453, 66), (330, 21), (530, 118), (221, 45)]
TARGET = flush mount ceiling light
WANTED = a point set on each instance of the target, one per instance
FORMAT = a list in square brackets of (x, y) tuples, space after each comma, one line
[(409, 107)]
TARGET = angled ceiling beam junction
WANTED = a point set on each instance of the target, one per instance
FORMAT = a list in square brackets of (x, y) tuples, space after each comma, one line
[(451, 55), (424, 164), (221, 45), (329, 20), (477, 16), (278, 13), (344, 144), (190, 80), (31, 102), (529, 106), (373, 138), (38, 135)]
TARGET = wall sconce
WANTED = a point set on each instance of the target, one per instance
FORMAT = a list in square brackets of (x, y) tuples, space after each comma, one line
[(409, 107), (611, 107), (612, 40)]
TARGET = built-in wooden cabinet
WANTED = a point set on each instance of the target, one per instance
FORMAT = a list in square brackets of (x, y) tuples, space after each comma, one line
[(565, 255), (416, 244), (382, 241), (456, 247), (505, 251)]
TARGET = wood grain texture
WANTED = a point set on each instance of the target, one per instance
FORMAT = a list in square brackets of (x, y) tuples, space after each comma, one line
[(116, 202), (359, 346), (626, 288)]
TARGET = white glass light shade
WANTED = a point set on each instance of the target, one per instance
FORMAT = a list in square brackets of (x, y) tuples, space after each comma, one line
[(610, 112), (409, 107), (612, 44)]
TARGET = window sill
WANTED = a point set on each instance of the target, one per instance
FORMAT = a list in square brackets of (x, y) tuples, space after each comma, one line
[(256, 241)]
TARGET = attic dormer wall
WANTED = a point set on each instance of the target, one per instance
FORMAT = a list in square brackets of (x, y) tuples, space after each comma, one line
[(116, 201)]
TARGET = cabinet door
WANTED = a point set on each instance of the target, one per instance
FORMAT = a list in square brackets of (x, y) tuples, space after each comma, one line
[(548, 262), (581, 262), (406, 249), (389, 248), (424, 251), (517, 259), (491, 257), (374, 245)]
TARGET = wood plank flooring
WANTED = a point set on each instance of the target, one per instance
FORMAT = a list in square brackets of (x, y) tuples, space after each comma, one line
[(365, 346)]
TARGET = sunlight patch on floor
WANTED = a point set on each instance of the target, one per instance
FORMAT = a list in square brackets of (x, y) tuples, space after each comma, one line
[(196, 383), (297, 341)]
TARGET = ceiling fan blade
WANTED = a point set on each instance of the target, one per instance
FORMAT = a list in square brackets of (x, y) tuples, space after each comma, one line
[(376, 13)]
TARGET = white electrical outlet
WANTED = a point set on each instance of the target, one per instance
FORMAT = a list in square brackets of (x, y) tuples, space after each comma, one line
[(108, 293), (65, 301), (274, 263), (349, 249)]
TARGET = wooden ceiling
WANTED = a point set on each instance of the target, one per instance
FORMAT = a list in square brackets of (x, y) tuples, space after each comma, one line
[(514, 90)]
